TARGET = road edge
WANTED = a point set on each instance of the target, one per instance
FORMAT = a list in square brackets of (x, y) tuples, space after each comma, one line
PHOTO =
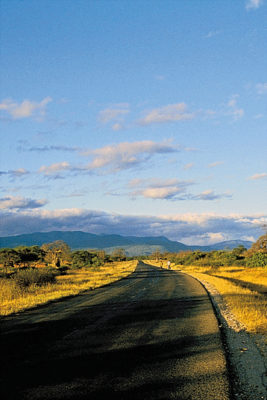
[(247, 365)]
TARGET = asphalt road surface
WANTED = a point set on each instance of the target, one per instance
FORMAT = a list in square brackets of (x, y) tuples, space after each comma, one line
[(152, 335)]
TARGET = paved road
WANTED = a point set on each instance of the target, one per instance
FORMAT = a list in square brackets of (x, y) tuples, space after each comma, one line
[(152, 335)]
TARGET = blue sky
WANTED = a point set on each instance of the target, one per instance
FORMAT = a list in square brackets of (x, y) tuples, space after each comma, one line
[(134, 117)]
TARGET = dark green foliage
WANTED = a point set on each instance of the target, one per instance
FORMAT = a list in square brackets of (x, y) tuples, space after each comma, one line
[(8, 258), (257, 260), (28, 277), (30, 254), (81, 258), (216, 258)]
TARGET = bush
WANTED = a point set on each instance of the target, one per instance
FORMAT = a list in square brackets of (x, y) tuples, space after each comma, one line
[(257, 260), (36, 277)]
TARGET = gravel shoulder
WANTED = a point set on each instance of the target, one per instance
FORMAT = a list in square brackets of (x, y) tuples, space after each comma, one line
[(247, 354)]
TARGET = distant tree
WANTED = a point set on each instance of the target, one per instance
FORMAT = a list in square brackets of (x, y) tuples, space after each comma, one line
[(57, 253), (81, 258), (260, 245), (257, 260), (156, 255), (239, 250), (8, 258), (118, 254), (29, 254)]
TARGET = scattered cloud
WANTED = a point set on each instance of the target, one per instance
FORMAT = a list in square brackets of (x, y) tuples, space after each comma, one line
[(188, 166), (215, 164), (261, 88), (109, 114), (210, 195), (188, 228), (113, 158), (169, 113), (212, 34), (55, 168), (255, 177), (171, 189), (20, 203), (127, 154), (253, 4), (25, 109), (15, 173), (233, 110), (114, 115), (167, 189), (42, 149)]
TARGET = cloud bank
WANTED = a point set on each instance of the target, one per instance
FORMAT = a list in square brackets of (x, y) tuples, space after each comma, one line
[(187, 228)]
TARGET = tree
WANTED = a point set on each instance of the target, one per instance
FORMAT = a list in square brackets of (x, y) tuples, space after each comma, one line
[(257, 260), (29, 254), (57, 253), (8, 257), (118, 254), (81, 258), (260, 245), (239, 250), (156, 255)]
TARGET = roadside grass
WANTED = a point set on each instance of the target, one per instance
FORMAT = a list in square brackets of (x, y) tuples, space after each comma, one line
[(15, 297), (248, 305)]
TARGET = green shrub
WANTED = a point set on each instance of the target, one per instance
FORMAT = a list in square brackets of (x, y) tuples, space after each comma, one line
[(29, 277), (257, 260)]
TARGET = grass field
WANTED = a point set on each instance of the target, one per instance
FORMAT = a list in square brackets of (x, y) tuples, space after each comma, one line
[(243, 289), (14, 298)]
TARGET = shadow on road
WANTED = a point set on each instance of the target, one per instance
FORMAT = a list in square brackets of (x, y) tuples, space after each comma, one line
[(150, 347)]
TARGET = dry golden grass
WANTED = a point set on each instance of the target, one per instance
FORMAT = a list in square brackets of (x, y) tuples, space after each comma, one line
[(13, 299), (249, 306)]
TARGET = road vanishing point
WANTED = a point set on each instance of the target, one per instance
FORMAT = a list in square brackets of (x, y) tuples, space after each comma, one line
[(152, 335)]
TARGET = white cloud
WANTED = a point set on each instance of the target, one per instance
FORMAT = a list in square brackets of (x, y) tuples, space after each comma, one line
[(253, 4), (211, 195), (187, 228), (158, 188), (25, 109), (171, 189), (16, 202), (261, 88), (263, 175), (55, 168), (114, 158), (215, 164), (126, 155), (169, 113)]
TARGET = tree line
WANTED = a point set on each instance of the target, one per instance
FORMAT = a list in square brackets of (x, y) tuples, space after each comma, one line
[(56, 254), (256, 256)]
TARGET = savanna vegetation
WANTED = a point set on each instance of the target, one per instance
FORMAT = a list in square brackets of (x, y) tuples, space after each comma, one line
[(30, 276), (239, 275), (34, 275)]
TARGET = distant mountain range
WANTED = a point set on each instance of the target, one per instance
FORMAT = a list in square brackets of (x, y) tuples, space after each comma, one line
[(132, 245)]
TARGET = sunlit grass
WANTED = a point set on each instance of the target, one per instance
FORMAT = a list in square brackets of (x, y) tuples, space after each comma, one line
[(248, 306), (14, 299)]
